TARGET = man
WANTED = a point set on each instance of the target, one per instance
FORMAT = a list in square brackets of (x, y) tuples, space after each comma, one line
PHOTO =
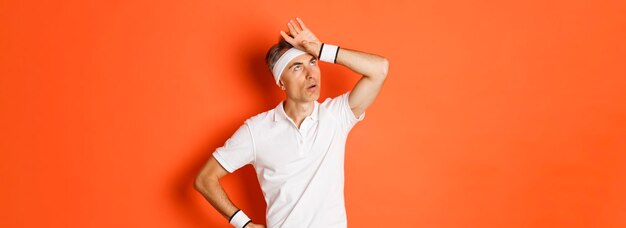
[(297, 148)]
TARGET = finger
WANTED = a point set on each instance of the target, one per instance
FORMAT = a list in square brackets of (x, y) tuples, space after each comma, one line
[(296, 26), (301, 23), (287, 37), (292, 30)]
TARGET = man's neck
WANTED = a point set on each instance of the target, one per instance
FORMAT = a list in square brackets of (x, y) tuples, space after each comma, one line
[(297, 111)]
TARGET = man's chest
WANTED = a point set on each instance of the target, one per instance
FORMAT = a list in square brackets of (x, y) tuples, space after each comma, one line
[(286, 144)]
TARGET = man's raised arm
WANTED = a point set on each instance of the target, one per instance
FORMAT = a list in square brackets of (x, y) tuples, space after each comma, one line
[(374, 70), (373, 67)]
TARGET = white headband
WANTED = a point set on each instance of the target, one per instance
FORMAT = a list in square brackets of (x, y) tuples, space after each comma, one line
[(282, 62)]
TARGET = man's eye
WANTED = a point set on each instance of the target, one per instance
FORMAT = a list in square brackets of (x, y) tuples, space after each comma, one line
[(296, 67), (313, 62)]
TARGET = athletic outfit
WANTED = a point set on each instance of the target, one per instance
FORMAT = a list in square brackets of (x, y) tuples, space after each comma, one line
[(301, 171)]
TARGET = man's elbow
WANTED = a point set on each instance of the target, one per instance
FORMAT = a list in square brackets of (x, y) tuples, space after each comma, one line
[(385, 67), (199, 183), (202, 182), (382, 70)]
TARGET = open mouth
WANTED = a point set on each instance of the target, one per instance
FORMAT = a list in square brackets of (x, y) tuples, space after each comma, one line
[(312, 86)]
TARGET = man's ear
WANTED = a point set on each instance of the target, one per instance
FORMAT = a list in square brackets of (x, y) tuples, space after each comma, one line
[(282, 85)]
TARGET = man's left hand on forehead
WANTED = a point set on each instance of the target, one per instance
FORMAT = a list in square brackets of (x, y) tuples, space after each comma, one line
[(301, 37)]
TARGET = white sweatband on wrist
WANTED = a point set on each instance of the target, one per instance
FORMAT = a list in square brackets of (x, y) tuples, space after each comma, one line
[(282, 62), (328, 53), (239, 219)]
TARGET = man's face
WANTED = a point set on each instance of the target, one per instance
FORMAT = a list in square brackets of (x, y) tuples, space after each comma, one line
[(301, 79)]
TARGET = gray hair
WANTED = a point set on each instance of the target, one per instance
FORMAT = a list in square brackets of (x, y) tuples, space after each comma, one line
[(276, 51)]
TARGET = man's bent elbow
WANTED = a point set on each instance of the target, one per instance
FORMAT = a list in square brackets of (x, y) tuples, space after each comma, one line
[(209, 175), (385, 68), (203, 182), (382, 71), (199, 183)]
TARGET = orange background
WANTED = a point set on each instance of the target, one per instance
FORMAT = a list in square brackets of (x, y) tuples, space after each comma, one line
[(494, 114)]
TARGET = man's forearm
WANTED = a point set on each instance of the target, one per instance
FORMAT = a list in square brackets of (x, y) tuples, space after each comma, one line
[(371, 66), (215, 194)]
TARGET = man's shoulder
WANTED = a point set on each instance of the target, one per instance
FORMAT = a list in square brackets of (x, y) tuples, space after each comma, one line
[(332, 102), (261, 117)]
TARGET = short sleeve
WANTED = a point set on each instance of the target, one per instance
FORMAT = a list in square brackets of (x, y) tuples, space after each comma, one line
[(237, 151), (340, 107)]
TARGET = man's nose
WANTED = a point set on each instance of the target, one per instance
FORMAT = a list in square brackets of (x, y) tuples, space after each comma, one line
[(309, 72)]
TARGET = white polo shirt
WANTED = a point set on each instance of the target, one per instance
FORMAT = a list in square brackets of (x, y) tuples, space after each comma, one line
[(301, 171)]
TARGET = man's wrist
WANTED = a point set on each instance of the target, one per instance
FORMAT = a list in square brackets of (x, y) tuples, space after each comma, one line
[(319, 51), (328, 53), (239, 219)]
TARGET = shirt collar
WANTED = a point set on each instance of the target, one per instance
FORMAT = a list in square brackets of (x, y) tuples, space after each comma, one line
[(279, 111)]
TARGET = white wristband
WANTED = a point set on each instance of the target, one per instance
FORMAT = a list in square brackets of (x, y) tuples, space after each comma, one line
[(239, 219), (328, 53)]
